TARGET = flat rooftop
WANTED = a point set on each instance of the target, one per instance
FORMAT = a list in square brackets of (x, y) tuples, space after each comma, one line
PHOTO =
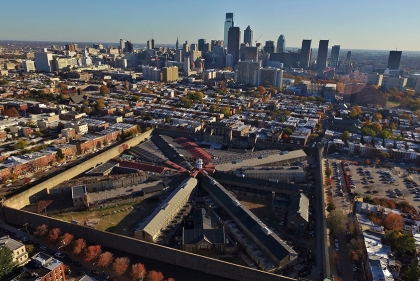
[(100, 169)]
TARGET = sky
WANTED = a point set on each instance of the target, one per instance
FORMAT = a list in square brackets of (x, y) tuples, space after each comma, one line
[(353, 24)]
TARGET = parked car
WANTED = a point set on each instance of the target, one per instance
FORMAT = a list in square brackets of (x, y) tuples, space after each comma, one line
[(76, 263), (94, 272)]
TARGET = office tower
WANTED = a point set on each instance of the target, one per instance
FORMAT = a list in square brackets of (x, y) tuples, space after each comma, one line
[(249, 53), (217, 43), (229, 60), (348, 57), (129, 48), (335, 53), (246, 71), (177, 44), (394, 59), (186, 47), (44, 62), (268, 76), (201, 44), (170, 74), (98, 46), (228, 24), (179, 55), (152, 43), (305, 54), (193, 47), (195, 55), (28, 66), (122, 46), (269, 47), (187, 65), (248, 36), (208, 47), (321, 61), (234, 39), (149, 45), (71, 47), (281, 44)]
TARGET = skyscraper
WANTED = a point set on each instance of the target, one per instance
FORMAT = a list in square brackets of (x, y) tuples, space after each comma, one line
[(246, 71), (186, 47), (394, 59), (348, 57), (44, 62), (335, 53), (122, 46), (269, 47), (177, 44), (281, 43), (305, 54), (248, 36), (234, 39), (201, 44), (129, 48), (153, 43), (149, 45), (321, 61), (228, 24)]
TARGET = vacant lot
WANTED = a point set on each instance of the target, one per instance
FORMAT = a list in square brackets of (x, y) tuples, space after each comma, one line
[(119, 218)]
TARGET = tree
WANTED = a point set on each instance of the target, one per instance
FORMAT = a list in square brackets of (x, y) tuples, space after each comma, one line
[(60, 154), (288, 131), (135, 98), (78, 246), (105, 259), (99, 104), (11, 112), (393, 221), (330, 207), (383, 155), (41, 230), (385, 134), (377, 116), (345, 136), (355, 111), (105, 143), (104, 90), (29, 249), (53, 235), (328, 172), (91, 253), (261, 90), (138, 271), (213, 108), (154, 276), (413, 271), (226, 111), (21, 144), (120, 265), (336, 221), (313, 136), (366, 131), (62, 86), (66, 239), (6, 261)]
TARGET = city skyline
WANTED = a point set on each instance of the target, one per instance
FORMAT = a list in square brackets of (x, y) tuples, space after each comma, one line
[(380, 25)]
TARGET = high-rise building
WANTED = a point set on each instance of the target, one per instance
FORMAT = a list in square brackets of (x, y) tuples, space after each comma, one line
[(177, 44), (266, 76), (305, 54), (229, 60), (193, 47), (269, 47), (129, 48), (28, 66), (178, 55), (98, 46), (201, 45), (249, 53), (187, 65), (152, 43), (170, 74), (281, 44), (246, 71), (394, 59), (71, 47), (248, 36), (218, 43), (335, 53), (321, 61), (195, 55), (348, 57), (234, 40), (186, 47), (149, 45), (122, 46), (44, 62), (208, 47), (228, 24)]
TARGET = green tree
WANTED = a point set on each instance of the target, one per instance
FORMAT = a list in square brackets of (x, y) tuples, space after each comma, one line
[(355, 111), (345, 136), (6, 261), (330, 207), (60, 154), (105, 143), (336, 221), (104, 90), (313, 136), (29, 249), (383, 155), (288, 131), (21, 144), (226, 111), (366, 131), (385, 134), (135, 98), (413, 271), (213, 108), (99, 104)]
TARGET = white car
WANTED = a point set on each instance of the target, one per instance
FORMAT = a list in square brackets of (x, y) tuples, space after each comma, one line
[(59, 255), (337, 249)]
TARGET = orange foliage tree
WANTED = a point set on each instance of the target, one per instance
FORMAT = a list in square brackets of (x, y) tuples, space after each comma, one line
[(91, 253), (120, 265), (393, 221), (41, 230), (105, 259), (154, 276), (138, 271), (53, 235), (66, 239), (78, 246)]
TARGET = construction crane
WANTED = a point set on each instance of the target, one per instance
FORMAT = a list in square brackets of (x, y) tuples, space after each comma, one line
[(256, 41)]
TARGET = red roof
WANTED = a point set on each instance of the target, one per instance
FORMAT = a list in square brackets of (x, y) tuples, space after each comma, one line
[(143, 167), (194, 149)]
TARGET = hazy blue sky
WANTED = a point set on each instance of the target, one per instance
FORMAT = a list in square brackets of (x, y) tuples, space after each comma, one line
[(353, 24)]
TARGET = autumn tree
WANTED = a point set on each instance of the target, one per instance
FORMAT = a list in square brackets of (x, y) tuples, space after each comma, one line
[(53, 235), (78, 246), (41, 230), (345, 136), (336, 221), (393, 221), (328, 172), (120, 265), (355, 111), (11, 112), (226, 111), (21, 144), (261, 90), (91, 253), (154, 276), (66, 239), (329, 181), (105, 259), (138, 271), (104, 90)]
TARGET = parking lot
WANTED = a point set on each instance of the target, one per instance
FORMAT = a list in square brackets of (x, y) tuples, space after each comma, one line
[(392, 183)]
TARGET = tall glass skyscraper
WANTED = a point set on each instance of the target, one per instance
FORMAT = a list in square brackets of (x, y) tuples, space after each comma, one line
[(281, 44), (234, 39), (321, 61), (305, 54), (335, 53), (248, 36), (228, 24)]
